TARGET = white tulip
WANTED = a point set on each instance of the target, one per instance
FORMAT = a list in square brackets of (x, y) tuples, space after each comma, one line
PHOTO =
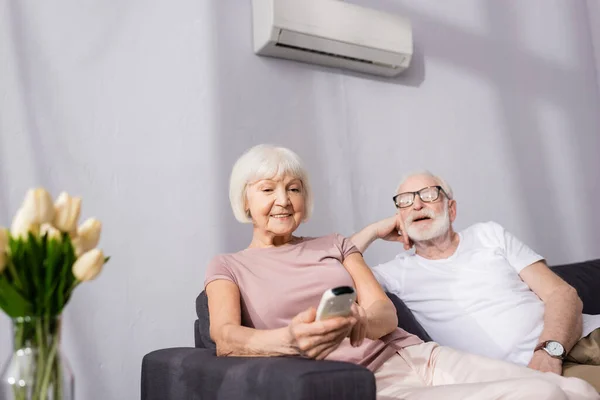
[(89, 265), (67, 210), (88, 234), (22, 224), (50, 231), (38, 205)]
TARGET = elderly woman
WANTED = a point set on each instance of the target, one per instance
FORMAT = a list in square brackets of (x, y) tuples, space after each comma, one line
[(262, 301)]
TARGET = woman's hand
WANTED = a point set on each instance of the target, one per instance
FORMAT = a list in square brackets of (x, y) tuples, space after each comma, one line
[(359, 330), (317, 339)]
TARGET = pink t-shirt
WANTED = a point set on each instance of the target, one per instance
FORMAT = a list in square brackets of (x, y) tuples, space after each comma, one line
[(277, 283)]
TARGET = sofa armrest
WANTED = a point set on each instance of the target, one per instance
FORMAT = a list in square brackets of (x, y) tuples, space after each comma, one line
[(192, 373)]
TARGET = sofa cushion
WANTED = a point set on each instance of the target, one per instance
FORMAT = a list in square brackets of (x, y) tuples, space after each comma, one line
[(585, 278), (202, 337)]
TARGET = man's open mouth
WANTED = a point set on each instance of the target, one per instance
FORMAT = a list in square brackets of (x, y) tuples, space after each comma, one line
[(421, 219)]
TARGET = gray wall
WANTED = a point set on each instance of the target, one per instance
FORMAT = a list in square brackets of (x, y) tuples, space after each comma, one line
[(142, 107)]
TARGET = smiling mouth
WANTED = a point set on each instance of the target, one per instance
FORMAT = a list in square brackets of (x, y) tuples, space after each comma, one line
[(280, 215)]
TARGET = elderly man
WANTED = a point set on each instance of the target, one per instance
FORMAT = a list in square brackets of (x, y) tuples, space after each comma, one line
[(481, 290)]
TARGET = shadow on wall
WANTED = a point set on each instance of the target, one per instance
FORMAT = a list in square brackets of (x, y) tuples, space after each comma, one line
[(520, 79)]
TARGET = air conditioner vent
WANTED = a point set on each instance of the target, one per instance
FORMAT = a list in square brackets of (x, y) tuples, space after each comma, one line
[(340, 56)]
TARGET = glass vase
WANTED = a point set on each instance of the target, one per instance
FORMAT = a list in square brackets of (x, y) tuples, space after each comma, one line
[(36, 369)]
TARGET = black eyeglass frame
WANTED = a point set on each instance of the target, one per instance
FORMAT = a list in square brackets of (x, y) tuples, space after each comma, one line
[(439, 188)]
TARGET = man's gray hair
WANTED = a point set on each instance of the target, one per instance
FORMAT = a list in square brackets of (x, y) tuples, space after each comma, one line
[(439, 180)]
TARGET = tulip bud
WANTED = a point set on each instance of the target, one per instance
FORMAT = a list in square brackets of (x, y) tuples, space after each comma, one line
[(67, 211), (22, 225), (38, 205), (51, 232), (3, 239), (89, 265), (88, 234)]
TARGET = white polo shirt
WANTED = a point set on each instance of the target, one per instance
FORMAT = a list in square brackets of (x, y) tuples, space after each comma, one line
[(474, 300)]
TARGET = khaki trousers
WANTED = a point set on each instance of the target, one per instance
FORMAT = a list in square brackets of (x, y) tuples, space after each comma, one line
[(583, 361), (431, 371)]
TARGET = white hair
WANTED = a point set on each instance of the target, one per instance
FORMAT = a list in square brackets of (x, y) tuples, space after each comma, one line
[(439, 181), (265, 161)]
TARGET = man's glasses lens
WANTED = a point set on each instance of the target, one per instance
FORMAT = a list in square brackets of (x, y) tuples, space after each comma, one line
[(427, 195)]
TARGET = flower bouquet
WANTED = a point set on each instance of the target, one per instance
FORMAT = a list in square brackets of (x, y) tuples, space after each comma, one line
[(43, 258)]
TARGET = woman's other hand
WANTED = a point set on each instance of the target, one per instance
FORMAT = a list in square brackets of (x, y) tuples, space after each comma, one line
[(317, 339)]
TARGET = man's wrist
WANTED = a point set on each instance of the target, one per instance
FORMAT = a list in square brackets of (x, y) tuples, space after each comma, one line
[(552, 348), (554, 360)]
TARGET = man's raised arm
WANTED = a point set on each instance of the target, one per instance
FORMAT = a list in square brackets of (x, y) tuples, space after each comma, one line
[(386, 229)]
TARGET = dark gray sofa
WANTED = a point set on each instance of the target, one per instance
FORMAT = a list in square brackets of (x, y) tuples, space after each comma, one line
[(196, 373)]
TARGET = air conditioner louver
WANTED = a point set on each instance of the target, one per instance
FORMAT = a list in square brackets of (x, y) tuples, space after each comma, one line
[(341, 57)]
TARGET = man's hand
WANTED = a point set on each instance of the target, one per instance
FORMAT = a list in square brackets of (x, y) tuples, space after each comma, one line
[(542, 361), (392, 229)]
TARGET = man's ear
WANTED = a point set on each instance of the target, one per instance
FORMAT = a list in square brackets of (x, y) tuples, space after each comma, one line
[(452, 210)]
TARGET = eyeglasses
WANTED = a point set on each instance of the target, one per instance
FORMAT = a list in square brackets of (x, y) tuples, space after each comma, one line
[(428, 195)]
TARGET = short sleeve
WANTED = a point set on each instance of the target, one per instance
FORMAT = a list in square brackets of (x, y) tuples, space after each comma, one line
[(388, 282), (517, 253), (346, 246), (218, 269)]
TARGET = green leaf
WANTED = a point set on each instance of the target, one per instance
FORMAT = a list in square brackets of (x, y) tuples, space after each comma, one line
[(13, 302), (52, 265), (66, 274), (35, 251), (19, 262)]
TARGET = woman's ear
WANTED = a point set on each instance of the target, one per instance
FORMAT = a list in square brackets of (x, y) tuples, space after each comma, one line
[(246, 206)]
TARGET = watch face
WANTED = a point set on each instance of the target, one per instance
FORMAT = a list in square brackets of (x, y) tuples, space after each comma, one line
[(554, 348)]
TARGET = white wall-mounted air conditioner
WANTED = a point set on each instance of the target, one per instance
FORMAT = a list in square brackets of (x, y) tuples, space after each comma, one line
[(333, 33)]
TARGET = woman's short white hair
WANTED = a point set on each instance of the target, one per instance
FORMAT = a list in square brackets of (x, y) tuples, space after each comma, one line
[(439, 180), (265, 161)]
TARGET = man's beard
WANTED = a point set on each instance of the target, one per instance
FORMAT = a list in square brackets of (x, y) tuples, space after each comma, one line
[(439, 225)]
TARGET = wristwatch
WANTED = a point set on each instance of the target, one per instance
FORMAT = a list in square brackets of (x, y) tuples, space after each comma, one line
[(553, 348)]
